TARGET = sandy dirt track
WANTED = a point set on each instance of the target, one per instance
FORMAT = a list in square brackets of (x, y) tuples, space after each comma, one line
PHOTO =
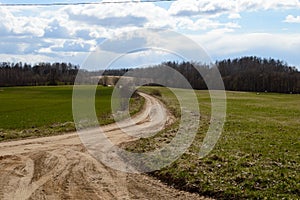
[(60, 167)]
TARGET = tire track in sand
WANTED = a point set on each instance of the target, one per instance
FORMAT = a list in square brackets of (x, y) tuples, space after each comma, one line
[(60, 167)]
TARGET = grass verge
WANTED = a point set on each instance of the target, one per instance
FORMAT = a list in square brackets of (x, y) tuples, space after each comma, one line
[(257, 156)]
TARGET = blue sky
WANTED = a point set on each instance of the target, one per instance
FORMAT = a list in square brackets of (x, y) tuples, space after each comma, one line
[(223, 28)]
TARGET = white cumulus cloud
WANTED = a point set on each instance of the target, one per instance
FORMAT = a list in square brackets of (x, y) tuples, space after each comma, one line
[(54, 32), (292, 19), (215, 8)]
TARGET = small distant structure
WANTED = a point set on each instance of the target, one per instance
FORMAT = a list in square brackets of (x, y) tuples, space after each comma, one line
[(111, 81)]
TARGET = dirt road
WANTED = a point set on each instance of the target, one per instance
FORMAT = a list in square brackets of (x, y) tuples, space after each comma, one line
[(60, 167)]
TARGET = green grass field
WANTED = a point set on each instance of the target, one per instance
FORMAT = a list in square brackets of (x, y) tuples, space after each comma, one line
[(257, 156), (40, 111)]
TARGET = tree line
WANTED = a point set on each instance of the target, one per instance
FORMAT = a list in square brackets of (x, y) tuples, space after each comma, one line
[(23, 74), (241, 74), (251, 74), (259, 75)]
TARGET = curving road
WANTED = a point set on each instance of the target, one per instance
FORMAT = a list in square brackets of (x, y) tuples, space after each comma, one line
[(60, 167)]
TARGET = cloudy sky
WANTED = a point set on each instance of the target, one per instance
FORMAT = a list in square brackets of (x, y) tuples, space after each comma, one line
[(223, 28)]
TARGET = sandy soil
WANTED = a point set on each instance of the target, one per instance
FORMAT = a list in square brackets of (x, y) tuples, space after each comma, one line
[(60, 167)]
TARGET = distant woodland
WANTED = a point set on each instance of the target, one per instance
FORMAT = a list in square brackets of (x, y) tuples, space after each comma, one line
[(241, 74), (246, 74), (259, 75), (23, 74)]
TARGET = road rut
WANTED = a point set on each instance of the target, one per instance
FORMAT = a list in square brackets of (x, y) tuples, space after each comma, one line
[(60, 167)]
